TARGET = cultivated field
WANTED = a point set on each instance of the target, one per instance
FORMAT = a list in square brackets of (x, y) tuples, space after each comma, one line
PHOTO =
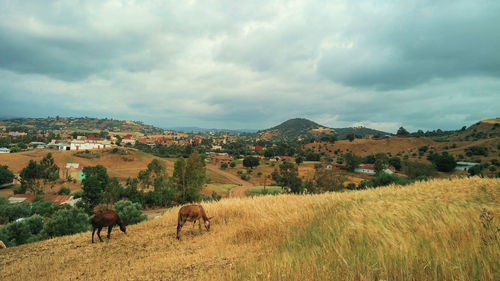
[(434, 230)]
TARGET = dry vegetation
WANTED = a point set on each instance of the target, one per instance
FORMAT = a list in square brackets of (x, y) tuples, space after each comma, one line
[(426, 231)]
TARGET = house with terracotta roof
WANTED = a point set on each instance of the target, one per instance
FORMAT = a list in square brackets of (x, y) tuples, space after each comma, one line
[(365, 169), (58, 199)]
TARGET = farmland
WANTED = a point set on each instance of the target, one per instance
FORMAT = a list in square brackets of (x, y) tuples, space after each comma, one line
[(429, 230)]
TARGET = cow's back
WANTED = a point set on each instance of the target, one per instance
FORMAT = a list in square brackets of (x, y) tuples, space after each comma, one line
[(105, 219), (191, 212)]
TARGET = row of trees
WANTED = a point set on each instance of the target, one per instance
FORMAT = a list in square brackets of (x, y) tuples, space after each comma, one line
[(25, 222), (152, 186)]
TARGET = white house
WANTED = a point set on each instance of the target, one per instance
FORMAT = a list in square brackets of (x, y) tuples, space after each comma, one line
[(365, 169), (465, 166), (4, 150), (87, 144)]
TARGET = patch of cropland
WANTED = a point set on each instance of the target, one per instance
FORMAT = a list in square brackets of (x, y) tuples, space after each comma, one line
[(435, 230)]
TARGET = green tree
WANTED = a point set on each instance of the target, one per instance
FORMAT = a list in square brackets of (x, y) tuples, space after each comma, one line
[(67, 222), (395, 162), (251, 161), (416, 170), (6, 176), (299, 160), (288, 177), (156, 169), (129, 212), (94, 184), (189, 177), (402, 132), (444, 162), (352, 161), (326, 180)]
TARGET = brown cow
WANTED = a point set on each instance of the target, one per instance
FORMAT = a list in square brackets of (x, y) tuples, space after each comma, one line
[(109, 219), (192, 213)]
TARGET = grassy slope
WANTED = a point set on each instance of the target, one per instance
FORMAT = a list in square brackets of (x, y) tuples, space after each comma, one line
[(430, 230)]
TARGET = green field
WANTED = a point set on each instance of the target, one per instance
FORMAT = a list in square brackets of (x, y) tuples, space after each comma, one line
[(221, 189), (260, 190)]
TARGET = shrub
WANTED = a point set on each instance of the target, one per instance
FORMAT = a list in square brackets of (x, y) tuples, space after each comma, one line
[(20, 189), (232, 164), (444, 162), (15, 233), (10, 212), (414, 170), (44, 208), (67, 222), (477, 150), (64, 191), (383, 179), (130, 213), (475, 170), (351, 186), (223, 166)]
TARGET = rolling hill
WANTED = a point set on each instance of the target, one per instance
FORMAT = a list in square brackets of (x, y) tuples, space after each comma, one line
[(83, 124), (435, 230), (303, 128)]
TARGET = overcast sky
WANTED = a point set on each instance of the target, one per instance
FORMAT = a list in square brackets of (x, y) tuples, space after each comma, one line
[(253, 64)]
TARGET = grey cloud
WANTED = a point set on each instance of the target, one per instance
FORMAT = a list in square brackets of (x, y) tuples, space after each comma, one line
[(398, 48)]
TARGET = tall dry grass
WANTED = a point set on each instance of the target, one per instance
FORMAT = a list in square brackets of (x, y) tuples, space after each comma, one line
[(426, 231)]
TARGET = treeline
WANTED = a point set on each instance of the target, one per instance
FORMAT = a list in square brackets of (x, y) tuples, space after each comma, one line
[(40, 220), (151, 187)]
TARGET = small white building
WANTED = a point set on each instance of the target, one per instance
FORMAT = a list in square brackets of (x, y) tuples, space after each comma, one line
[(465, 166), (86, 144), (4, 150), (365, 169)]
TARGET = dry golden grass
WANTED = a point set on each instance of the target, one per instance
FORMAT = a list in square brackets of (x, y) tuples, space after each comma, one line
[(426, 231)]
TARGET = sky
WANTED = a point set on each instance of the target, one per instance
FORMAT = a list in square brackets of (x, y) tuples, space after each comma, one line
[(253, 64)]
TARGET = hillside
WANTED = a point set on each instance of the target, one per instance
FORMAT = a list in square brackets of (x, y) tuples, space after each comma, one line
[(84, 124), (433, 230), (484, 129), (303, 128)]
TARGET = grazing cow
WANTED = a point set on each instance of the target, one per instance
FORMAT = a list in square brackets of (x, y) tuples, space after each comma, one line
[(192, 213), (2, 245), (107, 218)]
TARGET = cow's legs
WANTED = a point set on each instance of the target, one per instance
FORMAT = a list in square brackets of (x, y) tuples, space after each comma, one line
[(99, 233), (109, 231)]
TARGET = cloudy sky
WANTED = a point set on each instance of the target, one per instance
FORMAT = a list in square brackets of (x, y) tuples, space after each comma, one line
[(253, 64)]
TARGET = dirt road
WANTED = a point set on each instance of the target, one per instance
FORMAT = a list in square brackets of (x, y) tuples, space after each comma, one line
[(238, 191)]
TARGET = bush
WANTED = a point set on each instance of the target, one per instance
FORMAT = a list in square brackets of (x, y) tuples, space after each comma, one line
[(383, 179), (10, 212), (15, 233), (477, 150), (67, 222), (232, 165), (223, 166), (44, 208), (130, 213), (414, 170), (475, 171), (351, 186), (64, 191), (444, 162), (20, 189), (6, 176)]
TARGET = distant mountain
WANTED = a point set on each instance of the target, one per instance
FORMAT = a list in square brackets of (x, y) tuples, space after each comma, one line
[(71, 124), (303, 128), (205, 130)]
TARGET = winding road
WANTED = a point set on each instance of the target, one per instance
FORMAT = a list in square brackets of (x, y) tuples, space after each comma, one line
[(238, 191)]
